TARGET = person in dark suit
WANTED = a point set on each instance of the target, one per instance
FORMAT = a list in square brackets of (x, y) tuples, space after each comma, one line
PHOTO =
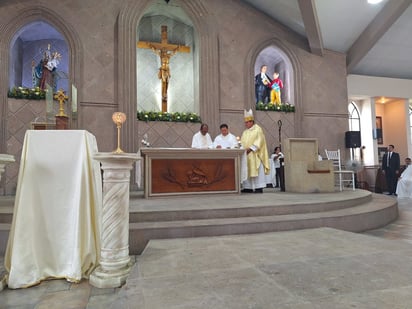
[(262, 82), (390, 168)]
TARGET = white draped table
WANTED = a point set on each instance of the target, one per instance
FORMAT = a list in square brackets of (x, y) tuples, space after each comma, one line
[(55, 229)]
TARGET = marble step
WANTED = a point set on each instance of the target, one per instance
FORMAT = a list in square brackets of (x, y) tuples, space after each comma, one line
[(377, 212), (357, 212), (203, 209)]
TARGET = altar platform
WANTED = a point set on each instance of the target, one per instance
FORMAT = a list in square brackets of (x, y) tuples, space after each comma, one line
[(272, 211), (248, 213)]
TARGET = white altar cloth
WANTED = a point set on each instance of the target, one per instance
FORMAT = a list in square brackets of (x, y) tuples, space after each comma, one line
[(55, 231)]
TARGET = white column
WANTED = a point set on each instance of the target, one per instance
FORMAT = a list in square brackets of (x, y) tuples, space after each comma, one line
[(4, 159), (115, 262)]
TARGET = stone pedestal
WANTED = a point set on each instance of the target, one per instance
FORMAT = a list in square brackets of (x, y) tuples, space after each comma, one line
[(304, 173), (62, 123), (115, 262), (4, 159)]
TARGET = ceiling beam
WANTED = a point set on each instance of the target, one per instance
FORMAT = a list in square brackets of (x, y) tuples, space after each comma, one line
[(310, 20), (374, 31)]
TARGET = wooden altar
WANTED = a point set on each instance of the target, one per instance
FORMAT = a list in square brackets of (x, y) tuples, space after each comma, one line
[(187, 171)]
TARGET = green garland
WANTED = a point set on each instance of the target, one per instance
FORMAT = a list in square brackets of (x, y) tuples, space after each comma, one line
[(39, 94), (27, 93), (163, 116), (283, 107)]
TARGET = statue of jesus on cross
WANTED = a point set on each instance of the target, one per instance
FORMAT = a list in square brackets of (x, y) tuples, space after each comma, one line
[(165, 51)]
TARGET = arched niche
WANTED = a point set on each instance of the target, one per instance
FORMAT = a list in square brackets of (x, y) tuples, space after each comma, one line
[(10, 29), (207, 65), (277, 61), (27, 49), (183, 84), (279, 56), (11, 129)]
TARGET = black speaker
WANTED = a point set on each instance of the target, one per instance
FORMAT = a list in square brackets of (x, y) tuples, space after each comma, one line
[(352, 139)]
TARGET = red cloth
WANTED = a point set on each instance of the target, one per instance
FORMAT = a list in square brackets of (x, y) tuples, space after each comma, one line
[(277, 81)]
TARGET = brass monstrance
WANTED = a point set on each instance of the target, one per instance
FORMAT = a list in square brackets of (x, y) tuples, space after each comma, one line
[(118, 118)]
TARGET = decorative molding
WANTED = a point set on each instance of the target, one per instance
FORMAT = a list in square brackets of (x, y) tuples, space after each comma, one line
[(99, 104), (324, 115)]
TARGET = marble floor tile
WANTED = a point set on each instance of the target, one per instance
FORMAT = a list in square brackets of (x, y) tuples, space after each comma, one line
[(305, 269)]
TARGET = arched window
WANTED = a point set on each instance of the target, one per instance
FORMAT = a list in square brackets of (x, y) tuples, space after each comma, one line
[(410, 121), (354, 117)]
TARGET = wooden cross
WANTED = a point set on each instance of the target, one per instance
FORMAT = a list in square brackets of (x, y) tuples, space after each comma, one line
[(165, 50)]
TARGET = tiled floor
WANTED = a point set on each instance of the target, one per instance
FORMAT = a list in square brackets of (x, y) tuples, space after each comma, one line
[(320, 268)]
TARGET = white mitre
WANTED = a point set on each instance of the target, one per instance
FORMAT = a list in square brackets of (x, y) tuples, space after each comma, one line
[(248, 115)]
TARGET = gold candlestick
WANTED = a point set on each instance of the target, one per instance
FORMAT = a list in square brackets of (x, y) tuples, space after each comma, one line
[(118, 118), (61, 97)]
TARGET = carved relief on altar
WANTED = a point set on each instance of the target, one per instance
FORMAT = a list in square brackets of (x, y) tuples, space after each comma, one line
[(192, 175), (197, 176)]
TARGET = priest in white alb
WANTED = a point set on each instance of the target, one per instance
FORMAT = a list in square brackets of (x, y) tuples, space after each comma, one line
[(225, 140), (202, 139), (404, 185), (254, 142)]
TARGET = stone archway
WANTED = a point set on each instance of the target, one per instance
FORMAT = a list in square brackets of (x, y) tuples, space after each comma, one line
[(280, 57), (208, 70), (11, 130)]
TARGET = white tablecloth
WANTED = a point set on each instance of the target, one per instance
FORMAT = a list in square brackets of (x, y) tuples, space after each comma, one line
[(55, 231)]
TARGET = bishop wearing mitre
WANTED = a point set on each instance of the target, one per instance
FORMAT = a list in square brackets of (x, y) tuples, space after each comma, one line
[(254, 142)]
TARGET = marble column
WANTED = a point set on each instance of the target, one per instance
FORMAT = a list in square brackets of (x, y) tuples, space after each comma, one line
[(4, 159), (115, 264)]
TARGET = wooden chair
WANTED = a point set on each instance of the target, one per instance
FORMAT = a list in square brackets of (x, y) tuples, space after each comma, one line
[(342, 174)]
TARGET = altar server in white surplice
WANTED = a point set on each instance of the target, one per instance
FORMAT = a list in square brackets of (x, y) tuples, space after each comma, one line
[(225, 139), (202, 139), (404, 186)]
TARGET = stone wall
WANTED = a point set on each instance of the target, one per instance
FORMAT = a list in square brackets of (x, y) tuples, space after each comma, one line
[(228, 38), (21, 115)]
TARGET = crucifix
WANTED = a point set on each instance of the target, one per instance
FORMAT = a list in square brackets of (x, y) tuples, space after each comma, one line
[(61, 97), (165, 50)]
